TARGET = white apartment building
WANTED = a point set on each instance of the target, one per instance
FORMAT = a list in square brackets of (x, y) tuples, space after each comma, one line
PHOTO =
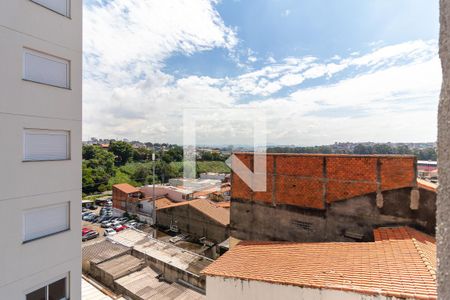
[(40, 149)]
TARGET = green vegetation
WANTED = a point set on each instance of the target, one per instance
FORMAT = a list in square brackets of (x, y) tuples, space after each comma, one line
[(422, 154), (120, 163)]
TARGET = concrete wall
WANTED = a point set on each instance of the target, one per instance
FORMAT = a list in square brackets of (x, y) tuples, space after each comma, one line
[(220, 288), (191, 221), (349, 220), (24, 185), (443, 212)]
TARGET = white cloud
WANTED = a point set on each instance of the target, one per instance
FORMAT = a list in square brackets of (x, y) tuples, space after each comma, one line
[(390, 94)]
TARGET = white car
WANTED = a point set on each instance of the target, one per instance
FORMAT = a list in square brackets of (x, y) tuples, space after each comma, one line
[(131, 224), (116, 222), (109, 231)]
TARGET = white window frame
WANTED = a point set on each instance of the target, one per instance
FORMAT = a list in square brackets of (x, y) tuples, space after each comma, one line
[(68, 10), (49, 131), (25, 241), (47, 283), (54, 58)]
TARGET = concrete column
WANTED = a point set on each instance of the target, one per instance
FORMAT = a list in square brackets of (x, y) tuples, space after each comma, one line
[(443, 199)]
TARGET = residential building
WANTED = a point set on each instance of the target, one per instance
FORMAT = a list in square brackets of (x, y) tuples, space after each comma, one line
[(399, 264), (195, 184), (175, 193), (317, 197), (125, 196), (40, 134), (215, 176)]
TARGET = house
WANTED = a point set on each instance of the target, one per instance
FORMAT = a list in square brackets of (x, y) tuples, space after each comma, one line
[(199, 218), (318, 197), (399, 264), (125, 197), (177, 194)]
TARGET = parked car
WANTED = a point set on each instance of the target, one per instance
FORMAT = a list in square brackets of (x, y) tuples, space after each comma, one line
[(122, 220), (119, 227), (116, 222), (85, 230), (88, 217), (106, 224), (131, 224), (90, 235), (108, 203), (109, 231)]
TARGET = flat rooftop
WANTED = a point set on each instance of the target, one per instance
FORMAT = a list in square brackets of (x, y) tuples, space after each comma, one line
[(102, 251), (120, 266), (165, 252), (145, 285)]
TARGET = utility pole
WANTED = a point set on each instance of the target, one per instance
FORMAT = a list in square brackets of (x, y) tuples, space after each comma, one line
[(153, 195)]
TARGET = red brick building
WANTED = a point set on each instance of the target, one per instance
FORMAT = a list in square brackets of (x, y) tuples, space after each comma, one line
[(316, 197), (123, 194)]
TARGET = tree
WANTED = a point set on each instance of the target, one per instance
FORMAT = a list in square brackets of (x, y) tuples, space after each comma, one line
[(142, 154), (362, 149), (141, 174), (97, 169), (88, 151), (122, 150), (173, 154)]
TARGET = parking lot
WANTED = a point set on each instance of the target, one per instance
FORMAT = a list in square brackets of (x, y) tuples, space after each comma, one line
[(91, 221)]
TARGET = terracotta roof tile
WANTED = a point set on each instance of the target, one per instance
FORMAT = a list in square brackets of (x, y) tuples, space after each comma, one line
[(126, 188), (225, 204), (400, 263), (163, 203), (219, 214), (427, 185)]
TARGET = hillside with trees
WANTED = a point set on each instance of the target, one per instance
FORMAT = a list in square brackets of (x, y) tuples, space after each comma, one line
[(121, 163)]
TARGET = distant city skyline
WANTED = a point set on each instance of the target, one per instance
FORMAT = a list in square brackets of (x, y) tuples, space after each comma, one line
[(355, 71)]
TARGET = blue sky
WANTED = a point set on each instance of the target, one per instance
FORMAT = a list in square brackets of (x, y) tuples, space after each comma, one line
[(319, 71)]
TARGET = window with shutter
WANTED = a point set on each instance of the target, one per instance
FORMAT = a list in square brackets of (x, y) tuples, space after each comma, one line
[(41, 145), (46, 69), (44, 221), (59, 6)]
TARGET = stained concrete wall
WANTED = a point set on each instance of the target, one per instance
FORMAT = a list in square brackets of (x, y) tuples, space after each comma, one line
[(348, 220), (443, 212), (219, 288)]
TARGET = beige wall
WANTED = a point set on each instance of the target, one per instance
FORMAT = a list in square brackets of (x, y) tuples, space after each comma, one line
[(25, 185), (220, 288)]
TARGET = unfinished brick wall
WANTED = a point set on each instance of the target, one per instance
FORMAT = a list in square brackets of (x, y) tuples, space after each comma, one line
[(311, 181)]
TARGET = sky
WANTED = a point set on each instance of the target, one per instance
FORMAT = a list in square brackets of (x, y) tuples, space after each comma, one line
[(314, 72)]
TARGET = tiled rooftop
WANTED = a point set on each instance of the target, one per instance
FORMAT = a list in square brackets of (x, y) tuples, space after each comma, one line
[(126, 188), (400, 263), (427, 185), (213, 211)]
